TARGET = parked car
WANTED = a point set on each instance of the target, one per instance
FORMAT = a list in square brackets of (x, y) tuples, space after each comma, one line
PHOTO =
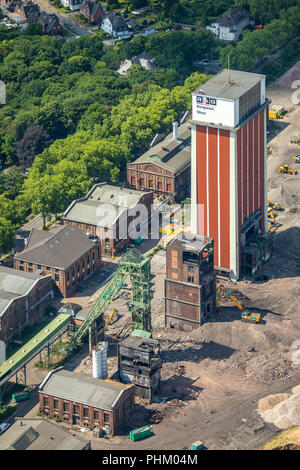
[(4, 427), (204, 62)]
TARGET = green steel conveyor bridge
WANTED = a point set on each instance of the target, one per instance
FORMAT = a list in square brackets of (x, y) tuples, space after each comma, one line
[(132, 264), (44, 339)]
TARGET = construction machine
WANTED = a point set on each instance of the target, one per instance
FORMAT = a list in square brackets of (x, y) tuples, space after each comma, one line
[(274, 205), (296, 158), (271, 215), (273, 225), (246, 315), (286, 169)]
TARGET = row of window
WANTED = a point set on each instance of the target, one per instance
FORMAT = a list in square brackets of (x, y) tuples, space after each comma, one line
[(150, 184), (76, 409)]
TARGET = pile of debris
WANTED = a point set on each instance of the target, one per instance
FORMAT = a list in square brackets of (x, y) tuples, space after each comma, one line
[(236, 293), (269, 368)]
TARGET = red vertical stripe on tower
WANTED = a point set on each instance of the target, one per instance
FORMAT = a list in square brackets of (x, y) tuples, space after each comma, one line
[(224, 137), (201, 177), (262, 166), (239, 181), (245, 174), (256, 159), (250, 165), (213, 189)]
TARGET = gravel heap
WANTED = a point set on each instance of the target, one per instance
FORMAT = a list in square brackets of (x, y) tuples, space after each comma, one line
[(285, 414)]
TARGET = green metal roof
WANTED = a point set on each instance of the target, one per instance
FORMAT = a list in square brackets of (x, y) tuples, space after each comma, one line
[(141, 334), (42, 337)]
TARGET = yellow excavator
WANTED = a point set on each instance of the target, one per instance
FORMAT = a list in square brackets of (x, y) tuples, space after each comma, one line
[(274, 205), (286, 169), (273, 225), (246, 315), (114, 313)]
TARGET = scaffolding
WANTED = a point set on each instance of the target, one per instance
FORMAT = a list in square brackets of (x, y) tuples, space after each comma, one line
[(138, 268)]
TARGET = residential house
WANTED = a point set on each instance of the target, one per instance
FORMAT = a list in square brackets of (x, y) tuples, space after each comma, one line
[(116, 26), (93, 12), (9, 4), (106, 212), (50, 24), (84, 400), (165, 168), (230, 26), (41, 434), (23, 299), (144, 60), (28, 11), (72, 4), (67, 254)]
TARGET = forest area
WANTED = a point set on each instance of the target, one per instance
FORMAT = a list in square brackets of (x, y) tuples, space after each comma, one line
[(72, 120)]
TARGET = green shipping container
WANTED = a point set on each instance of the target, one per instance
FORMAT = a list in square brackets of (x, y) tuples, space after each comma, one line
[(140, 433), (198, 445), (20, 396)]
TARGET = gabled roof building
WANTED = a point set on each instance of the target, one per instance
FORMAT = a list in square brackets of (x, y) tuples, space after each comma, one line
[(230, 26), (66, 253), (23, 298), (84, 400), (165, 168)]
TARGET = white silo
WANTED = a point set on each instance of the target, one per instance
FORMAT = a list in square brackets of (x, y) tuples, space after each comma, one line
[(99, 359)]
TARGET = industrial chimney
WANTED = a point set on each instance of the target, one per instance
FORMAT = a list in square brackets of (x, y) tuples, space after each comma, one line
[(175, 130)]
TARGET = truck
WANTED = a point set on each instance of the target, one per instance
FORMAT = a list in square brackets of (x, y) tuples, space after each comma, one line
[(275, 112), (140, 433)]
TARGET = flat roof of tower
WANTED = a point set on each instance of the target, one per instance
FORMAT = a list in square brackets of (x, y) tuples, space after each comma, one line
[(240, 83)]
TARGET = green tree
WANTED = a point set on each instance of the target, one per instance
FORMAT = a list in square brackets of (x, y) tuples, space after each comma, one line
[(9, 148), (7, 235), (13, 180)]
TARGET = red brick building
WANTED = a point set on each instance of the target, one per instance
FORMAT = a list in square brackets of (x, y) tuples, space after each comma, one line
[(165, 168), (190, 285), (67, 254), (29, 11), (50, 24), (80, 399), (23, 299), (92, 11), (104, 210)]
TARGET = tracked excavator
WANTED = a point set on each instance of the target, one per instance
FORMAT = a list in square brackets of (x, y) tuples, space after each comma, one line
[(246, 315), (286, 169), (273, 225), (274, 206)]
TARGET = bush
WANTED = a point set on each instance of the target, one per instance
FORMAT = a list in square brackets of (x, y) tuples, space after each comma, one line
[(6, 411)]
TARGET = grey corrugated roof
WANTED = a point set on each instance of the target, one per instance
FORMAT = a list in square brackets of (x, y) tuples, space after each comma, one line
[(240, 83), (40, 434), (177, 155), (60, 249), (14, 284), (102, 205), (82, 389)]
